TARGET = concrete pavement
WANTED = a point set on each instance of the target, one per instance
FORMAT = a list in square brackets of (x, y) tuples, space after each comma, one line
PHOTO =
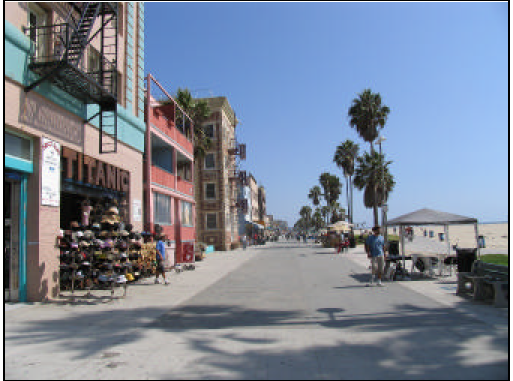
[(263, 313)]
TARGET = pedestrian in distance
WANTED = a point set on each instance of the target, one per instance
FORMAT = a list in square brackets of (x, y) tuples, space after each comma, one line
[(161, 257), (375, 249), (244, 241)]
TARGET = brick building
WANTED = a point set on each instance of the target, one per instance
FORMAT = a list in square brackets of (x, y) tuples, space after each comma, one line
[(217, 178)]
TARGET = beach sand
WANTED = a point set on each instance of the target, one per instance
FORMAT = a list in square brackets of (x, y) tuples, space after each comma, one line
[(496, 235)]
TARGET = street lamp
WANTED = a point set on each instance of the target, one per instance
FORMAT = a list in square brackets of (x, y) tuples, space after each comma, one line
[(384, 207)]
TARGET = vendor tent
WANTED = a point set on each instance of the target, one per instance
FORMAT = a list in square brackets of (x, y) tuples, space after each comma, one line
[(340, 226), (432, 217)]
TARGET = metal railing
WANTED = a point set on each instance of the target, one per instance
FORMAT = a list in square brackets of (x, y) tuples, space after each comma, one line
[(50, 45)]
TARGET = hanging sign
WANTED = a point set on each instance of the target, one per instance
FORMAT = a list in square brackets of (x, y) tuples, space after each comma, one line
[(50, 172), (137, 210)]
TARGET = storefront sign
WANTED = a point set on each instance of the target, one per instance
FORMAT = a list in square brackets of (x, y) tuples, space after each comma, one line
[(39, 113), (83, 168), (137, 210), (50, 172)]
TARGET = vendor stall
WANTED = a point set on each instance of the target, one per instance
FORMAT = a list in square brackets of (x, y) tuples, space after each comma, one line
[(431, 217)]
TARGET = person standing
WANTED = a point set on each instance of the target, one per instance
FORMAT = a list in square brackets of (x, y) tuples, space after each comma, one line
[(244, 241), (375, 248), (161, 257)]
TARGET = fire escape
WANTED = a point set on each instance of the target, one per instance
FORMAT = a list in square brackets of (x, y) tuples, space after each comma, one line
[(58, 57), (236, 175)]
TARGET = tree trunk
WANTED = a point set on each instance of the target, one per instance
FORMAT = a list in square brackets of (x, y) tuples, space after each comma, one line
[(351, 190), (375, 207), (347, 195)]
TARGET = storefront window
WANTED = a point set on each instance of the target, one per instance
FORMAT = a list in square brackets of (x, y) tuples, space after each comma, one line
[(162, 209), (17, 147), (187, 214)]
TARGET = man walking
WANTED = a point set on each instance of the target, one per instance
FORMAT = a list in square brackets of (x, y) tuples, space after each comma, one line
[(161, 257), (375, 248)]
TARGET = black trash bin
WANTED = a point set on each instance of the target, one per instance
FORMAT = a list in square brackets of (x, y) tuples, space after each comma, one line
[(465, 258), (393, 247), (352, 242)]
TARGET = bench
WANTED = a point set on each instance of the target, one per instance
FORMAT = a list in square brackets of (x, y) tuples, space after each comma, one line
[(487, 281)]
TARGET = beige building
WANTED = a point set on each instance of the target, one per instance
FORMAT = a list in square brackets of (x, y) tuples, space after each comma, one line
[(253, 189), (216, 179), (73, 129)]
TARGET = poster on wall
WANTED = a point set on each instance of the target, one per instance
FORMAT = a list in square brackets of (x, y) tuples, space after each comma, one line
[(137, 210), (50, 172)]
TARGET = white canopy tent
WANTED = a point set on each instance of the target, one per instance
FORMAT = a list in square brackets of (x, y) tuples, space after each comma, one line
[(340, 226), (432, 217)]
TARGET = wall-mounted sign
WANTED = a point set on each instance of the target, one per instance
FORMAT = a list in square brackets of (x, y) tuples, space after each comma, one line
[(50, 172), (137, 210), (83, 168)]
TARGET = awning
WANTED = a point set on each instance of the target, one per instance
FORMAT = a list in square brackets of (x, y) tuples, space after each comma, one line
[(340, 226)]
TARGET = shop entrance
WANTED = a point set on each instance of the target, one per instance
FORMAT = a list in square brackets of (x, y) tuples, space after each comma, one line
[(11, 239)]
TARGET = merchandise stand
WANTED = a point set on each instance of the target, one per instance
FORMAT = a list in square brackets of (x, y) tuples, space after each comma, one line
[(103, 253)]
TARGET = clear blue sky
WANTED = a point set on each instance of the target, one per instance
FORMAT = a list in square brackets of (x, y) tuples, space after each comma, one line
[(291, 70)]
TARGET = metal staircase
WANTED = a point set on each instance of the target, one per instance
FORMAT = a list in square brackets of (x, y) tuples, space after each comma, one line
[(62, 62)]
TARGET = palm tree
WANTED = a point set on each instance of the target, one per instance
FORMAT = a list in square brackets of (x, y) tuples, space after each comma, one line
[(198, 111), (332, 188), (318, 221), (345, 156), (338, 213), (368, 177), (325, 211), (306, 215), (367, 115), (314, 195)]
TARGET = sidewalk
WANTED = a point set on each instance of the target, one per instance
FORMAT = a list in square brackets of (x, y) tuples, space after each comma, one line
[(443, 290), (162, 332), (182, 287)]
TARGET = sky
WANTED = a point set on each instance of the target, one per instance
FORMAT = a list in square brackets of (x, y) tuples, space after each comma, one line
[(291, 70)]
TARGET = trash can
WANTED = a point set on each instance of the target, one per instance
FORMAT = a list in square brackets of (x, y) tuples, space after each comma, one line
[(481, 241), (465, 258), (393, 247), (431, 234), (441, 236), (352, 242)]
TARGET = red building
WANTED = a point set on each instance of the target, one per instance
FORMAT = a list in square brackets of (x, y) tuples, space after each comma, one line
[(169, 169)]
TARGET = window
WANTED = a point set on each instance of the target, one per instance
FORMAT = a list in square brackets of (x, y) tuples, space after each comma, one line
[(121, 16), (210, 191), (211, 221), (37, 18), (187, 214), (120, 89), (93, 62), (183, 167), (161, 209), (161, 154), (210, 162), (209, 131), (18, 147)]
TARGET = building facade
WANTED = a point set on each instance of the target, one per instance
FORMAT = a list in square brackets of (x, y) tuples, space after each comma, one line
[(169, 172), (73, 130), (253, 192), (262, 204), (217, 177)]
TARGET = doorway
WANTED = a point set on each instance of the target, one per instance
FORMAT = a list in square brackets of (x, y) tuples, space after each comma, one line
[(11, 240)]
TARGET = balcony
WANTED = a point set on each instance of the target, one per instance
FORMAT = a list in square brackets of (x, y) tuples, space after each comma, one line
[(57, 52), (166, 115)]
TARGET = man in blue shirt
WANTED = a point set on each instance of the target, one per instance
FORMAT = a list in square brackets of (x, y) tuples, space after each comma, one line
[(161, 256), (375, 248)]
